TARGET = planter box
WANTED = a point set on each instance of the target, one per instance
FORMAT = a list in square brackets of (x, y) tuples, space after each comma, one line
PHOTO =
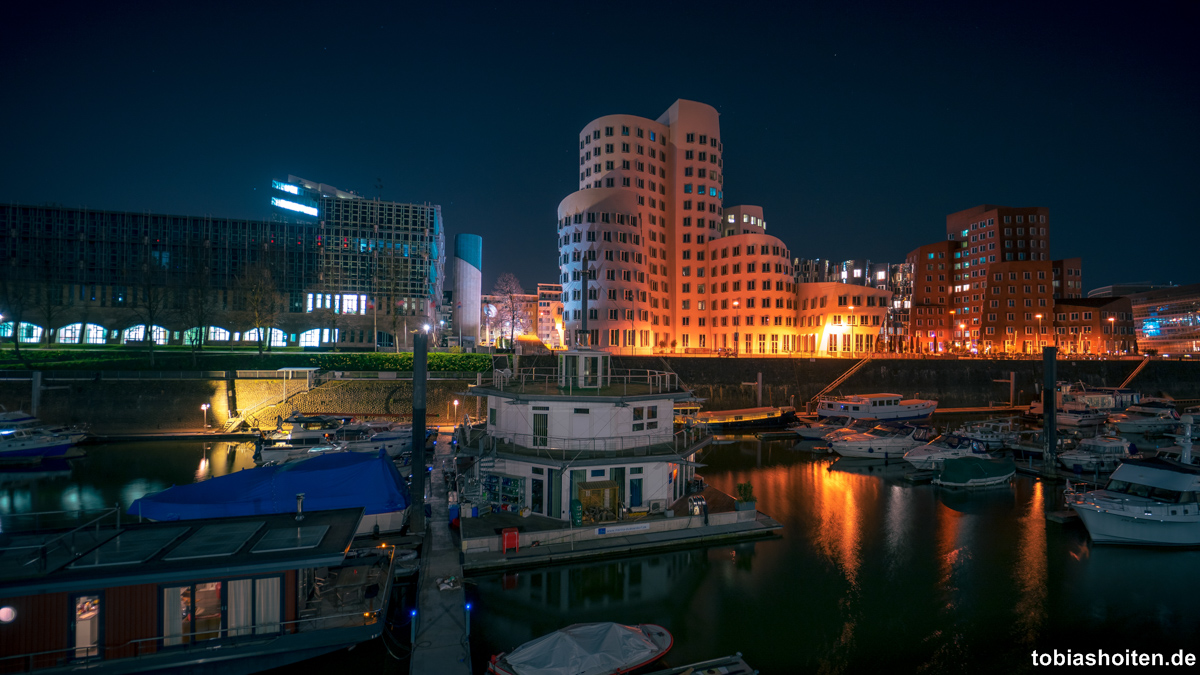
[(745, 506)]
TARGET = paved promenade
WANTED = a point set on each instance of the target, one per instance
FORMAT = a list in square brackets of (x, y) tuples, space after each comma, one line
[(441, 646)]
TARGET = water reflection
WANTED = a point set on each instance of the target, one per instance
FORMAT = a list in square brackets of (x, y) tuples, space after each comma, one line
[(1030, 569)]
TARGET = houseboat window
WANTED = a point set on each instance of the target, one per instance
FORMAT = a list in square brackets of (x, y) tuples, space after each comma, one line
[(598, 473), (87, 626), (492, 417), (582, 411), (639, 426), (212, 610), (652, 412), (638, 414), (635, 469)]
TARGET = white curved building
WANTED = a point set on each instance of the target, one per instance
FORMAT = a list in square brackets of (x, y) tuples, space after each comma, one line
[(468, 266), (641, 227)]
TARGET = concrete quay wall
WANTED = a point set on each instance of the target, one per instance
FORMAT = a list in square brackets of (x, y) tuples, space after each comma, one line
[(133, 406), (953, 383)]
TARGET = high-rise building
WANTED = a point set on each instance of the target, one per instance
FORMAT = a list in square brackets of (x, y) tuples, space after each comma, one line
[(646, 237), (468, 267), (1167, 320)]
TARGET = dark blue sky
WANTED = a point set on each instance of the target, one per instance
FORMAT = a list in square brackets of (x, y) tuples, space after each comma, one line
[(857, 126)]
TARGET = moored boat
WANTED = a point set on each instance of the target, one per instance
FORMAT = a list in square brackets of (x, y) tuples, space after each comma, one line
[(976, 472), (26, 445), (330, 481), (747, 418), (1136, 422), (813, 430), (1102, 453), (883, 441), (992, 434), (586, 649), (931, 455), (890, 407)]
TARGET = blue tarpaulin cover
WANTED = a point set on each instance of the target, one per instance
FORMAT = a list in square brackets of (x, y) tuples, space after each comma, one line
[(331, 481)]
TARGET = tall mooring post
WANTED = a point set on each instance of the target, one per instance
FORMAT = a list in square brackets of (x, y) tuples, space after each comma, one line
[(1050, 408), (758, 388), (416, 489)]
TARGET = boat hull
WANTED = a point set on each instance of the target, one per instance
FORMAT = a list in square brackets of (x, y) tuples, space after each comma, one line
[(906, 413), (1116, 527), (773, 422), (24, 452)]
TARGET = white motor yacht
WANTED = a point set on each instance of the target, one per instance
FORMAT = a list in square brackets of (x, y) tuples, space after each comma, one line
[(993, 434), (19, 419), (883, 441), (289, 453), (817, 429), (1134, 422), (300, 429), (854, 427), (876, 407), (929, 457), (392, 442), (1102, 453), (1146, 501), (26, 445)]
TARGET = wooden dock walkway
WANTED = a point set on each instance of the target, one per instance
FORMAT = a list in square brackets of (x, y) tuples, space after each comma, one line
[(441, 646)]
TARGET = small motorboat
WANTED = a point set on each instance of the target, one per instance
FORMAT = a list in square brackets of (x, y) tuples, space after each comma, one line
[(993, 434), (975, 472), (748, 418), (815, 430), (1102, 452), (929, 457), (282, 453), (586, 649), (1139, 422)]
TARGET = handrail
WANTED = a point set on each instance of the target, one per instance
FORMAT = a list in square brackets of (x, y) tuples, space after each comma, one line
[(44, 548), (368, 617)]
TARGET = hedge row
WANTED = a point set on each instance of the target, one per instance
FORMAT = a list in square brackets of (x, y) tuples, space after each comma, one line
[(174, 360)]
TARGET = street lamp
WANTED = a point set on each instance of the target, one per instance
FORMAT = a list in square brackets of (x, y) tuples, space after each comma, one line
[(962, 330), (204, 408), (1039, 342), (455, 409), (1112, 330), (738, 321)]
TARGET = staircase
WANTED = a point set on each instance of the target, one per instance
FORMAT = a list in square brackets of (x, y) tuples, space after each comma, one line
[(1135, 372), (842, 378)]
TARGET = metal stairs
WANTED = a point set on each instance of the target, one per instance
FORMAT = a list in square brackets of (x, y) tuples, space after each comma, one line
[(1135, 372), (842, 378)]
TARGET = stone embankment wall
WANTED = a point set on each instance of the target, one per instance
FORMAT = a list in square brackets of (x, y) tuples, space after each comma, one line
[(124, 406), (146, 406), (953, 383), (385, 398)]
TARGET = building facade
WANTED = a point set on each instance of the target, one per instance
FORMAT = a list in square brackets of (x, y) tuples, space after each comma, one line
[(639, 235), (837, 319), (550, 328), (1167, 320), (1094, 326), (338, 269)]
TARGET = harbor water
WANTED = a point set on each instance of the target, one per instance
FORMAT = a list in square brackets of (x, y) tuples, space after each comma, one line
[(869, 572)]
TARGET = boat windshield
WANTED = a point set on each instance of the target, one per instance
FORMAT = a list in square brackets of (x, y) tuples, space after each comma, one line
[(950, 441), (1149, 492)]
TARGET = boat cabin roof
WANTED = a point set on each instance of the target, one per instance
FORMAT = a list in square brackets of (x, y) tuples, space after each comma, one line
[(1159, 472), (161, 552), (744, 412)]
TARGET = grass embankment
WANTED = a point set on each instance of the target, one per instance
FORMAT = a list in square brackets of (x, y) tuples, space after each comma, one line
[(167, 359)]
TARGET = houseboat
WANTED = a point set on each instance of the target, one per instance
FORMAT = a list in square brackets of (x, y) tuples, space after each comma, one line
[(885, 407), (327, 481), (746, 418), (234, 595), (584, 434)]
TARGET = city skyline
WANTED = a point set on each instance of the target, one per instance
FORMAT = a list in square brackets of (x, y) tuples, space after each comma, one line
[(876, 126)]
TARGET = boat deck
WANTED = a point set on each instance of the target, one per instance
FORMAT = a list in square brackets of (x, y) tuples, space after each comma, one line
[(344, 594)]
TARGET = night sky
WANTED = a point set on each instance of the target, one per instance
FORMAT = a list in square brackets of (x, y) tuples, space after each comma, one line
[(857, 126)]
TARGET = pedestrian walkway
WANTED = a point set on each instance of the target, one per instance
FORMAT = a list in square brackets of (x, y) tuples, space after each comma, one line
[(441, 644)]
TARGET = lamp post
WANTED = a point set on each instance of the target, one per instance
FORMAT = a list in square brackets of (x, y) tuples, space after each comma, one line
[(1038, 343), (737, 322), (456, 410), (962, 329), (204, 409)]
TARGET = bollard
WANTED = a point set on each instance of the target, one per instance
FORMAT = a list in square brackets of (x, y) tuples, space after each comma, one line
[(468, 619), (413, 628)]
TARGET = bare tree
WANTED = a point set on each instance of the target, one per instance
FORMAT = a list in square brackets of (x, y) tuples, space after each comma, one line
[(197, 311), (152, 306), (16, 304), (511, 307), (48, 299), (262, 302)]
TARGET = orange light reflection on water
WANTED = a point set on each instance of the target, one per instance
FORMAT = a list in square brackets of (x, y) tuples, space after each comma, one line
[(1031, 569)]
